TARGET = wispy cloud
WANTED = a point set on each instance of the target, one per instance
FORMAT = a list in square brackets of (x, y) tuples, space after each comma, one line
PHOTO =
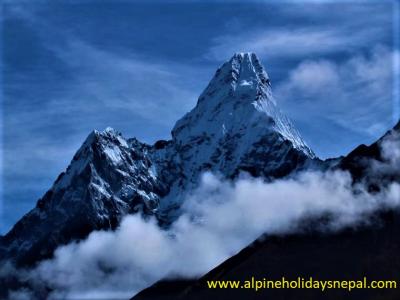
[(284, 43), (325, 30)]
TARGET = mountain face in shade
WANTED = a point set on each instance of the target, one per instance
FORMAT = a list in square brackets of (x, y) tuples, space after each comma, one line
[(235, 127), (384, 154), (370, 251)]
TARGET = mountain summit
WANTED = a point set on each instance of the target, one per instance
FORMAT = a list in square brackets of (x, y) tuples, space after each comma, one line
[(239, 100), (235, 127), (237, 113)]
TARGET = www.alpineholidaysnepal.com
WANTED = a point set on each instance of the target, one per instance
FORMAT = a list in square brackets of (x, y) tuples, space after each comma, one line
[(302, 283)]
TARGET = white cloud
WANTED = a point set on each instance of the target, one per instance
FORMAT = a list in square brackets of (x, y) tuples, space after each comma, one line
[(312, 77), (219, 219), (390, 148)]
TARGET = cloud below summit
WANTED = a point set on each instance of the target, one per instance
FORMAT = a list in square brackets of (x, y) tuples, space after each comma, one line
[(219, 219)]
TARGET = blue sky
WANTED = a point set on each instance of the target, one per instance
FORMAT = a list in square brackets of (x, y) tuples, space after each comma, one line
[(69, 67)]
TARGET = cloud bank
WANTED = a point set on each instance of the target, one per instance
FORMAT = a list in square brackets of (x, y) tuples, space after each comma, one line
[(218, 220)]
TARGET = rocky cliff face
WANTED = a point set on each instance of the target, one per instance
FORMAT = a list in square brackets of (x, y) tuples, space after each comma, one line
[(235, 127)]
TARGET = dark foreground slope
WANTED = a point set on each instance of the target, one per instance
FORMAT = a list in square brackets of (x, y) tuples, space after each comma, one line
[(372, 252)]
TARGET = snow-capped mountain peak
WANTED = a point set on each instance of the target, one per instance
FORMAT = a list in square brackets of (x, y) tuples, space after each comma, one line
[(235, 127), (243, 72), (237, 102)]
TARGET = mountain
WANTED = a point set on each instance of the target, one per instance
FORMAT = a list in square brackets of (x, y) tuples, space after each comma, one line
[(235, 127), (352, 254)]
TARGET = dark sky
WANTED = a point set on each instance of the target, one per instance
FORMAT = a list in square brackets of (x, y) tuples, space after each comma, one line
[(69, 67)]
